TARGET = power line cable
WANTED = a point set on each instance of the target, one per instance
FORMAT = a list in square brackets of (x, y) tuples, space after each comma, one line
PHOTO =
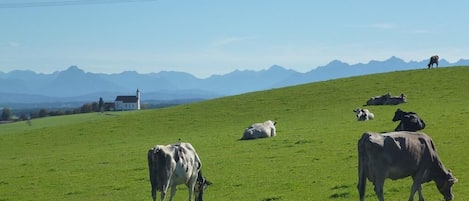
[(30, 4)]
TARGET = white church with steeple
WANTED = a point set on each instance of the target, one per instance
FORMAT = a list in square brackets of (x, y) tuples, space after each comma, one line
[(128, 102)]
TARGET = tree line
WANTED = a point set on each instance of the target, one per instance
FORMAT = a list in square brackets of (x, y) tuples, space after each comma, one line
[(7, 115), (27, 114)]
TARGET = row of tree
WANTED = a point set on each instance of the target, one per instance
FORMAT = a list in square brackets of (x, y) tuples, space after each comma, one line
[(27, 114), (7, 114)]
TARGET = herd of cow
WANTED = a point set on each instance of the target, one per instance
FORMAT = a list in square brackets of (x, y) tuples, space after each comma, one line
[(409, 121), (395, 155), (176, 164), (400, 154)]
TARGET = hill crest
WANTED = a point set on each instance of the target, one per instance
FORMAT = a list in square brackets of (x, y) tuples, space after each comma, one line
[(22, 86)]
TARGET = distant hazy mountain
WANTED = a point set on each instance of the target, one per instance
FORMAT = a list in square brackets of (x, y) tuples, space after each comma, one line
[(338, 69), (74, 85)]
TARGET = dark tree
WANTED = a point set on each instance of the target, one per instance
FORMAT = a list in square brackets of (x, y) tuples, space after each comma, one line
[(24, 116), (6, 114), (86, 108), (94, 107), (43, 113)]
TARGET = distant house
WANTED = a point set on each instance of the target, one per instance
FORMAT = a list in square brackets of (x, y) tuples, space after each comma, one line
[(109, 106), (128, 102)]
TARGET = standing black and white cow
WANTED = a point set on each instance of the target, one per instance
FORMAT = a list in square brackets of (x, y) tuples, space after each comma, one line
[(175, 164), (433, 60), (398, 155), (409, 121)]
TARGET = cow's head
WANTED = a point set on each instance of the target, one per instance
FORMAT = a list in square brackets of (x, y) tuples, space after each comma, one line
[(361, 114), (201, 184), (445, 185), (398, 115), (357, 111)]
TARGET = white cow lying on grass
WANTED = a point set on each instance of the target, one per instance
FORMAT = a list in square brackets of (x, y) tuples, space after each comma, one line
[(260, 130), (363, 114)]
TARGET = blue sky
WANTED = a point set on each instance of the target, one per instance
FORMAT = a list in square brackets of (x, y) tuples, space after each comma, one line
[(204, 37)]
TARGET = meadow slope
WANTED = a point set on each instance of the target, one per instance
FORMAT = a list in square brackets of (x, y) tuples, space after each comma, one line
[(103, 156)]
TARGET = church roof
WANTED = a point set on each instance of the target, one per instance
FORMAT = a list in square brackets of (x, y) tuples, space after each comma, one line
[(127, 99)]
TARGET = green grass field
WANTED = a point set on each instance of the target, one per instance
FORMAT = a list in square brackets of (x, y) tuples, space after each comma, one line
[(313, 157)]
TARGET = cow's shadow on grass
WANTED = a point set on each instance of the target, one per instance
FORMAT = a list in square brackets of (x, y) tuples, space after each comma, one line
[(278, 198), (345, 194)]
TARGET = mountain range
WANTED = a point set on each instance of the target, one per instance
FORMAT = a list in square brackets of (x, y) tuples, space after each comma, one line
[(76, 85)]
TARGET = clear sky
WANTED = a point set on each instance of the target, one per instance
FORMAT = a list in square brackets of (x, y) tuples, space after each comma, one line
[(205, 37)]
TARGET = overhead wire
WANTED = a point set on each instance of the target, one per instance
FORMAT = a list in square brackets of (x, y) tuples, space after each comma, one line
[(29, 4)]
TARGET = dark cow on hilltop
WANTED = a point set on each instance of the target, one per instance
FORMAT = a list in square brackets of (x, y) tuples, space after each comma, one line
[(398, 155), (175, 164), (409, 121), (433, 60)]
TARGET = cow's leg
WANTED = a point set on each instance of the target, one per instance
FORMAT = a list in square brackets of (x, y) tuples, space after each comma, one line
[(164, 190), (191, 191), (416, 186), (191, 185), (379, 183), (414, 189), (173, 192), (361, 186), (420, 194), (153, 192), (163, 193)]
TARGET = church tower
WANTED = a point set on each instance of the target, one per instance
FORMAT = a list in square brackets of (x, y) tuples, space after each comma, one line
[(138, 99)]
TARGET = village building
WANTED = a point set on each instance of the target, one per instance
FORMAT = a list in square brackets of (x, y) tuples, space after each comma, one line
[(128, 102)]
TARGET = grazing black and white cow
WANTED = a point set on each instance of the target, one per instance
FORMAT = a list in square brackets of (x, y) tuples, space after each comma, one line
[(398, 155), (409, 121), (363, 114), (433, 60), (260, 130), (175, 164)]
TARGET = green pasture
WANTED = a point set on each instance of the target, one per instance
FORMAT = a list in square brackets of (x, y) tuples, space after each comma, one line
[(313, 157)]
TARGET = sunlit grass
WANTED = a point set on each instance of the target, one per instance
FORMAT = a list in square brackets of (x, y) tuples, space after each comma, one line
[(313, 157)]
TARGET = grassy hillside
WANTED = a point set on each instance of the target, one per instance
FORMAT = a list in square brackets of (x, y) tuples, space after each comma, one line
[(103, 156)]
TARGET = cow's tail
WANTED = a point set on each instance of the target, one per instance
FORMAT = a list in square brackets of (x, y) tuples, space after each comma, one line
[(151, 169), (362, 165)]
